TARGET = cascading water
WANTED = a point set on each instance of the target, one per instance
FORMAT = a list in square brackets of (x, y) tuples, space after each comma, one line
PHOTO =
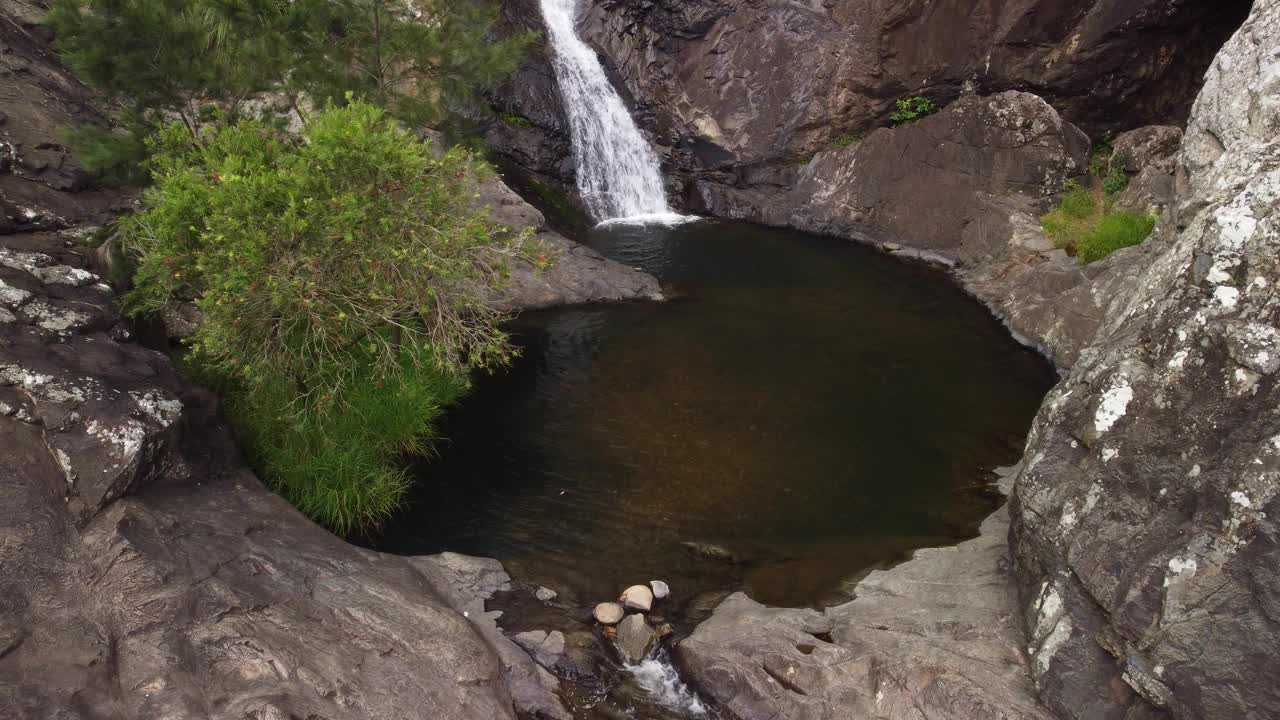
[(618, 173)]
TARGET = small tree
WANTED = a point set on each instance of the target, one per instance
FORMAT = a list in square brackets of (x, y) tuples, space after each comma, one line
[(419, 60), (345, 280), (355, 239), (191, 60)]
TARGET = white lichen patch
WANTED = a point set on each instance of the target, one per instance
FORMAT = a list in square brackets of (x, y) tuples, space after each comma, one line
[(53, 318), (1067, 522), (11, 297), (1179, 567), (126, 438), (1177, 360), (1241, 499), (1053, 628), (1113, 405), (157, 406), (1109, 454), (64, 275), (1226, 296), (64, 463)]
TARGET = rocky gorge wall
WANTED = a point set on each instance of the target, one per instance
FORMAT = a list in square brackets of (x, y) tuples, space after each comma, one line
[(741, 93)]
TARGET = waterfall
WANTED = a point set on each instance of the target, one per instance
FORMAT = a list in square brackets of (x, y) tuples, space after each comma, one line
[(618, 173)]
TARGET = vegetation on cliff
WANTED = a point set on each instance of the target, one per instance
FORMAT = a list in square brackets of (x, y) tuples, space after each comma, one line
[(341, 269), (202, 61), (1087, 225)]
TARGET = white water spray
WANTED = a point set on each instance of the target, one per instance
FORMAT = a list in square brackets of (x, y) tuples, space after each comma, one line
[(661, 681), (618, 173)]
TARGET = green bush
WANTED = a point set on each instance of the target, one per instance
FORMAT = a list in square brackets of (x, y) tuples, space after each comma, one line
[(344, 280), (912, 109), (1117, 229), (1085, 225)]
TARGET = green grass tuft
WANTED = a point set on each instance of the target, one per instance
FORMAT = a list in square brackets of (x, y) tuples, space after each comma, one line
[(340, 467), (1117, 229), (846, 140), (516, 120), (1085, 225)]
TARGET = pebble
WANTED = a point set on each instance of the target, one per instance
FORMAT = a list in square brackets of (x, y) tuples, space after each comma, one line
[(637, 597), (608, 613), (660, 589), (545, 594), (891, 247)]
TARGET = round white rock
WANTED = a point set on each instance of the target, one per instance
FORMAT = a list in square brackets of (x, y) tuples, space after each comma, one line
[(608, 613), (638, 597), (660, 589)]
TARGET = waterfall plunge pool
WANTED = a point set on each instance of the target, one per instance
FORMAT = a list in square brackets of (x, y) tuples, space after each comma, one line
[(807, 409)]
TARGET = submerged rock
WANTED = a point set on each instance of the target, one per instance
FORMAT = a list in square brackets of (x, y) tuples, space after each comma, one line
[(637, 597), (608, 613), (710, 551), (635, 638), (545, 594), (546, 648)]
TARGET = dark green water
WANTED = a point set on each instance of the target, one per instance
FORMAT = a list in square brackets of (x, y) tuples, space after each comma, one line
[(812, 406)]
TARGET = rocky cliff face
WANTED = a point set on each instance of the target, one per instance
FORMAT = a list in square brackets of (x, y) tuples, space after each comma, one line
[(144, 571), (744, 91), (1141, 570), (1144, 523)]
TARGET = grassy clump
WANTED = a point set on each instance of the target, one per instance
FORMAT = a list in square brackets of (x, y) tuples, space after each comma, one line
[(1085, 224), (339, 467), (344, 280), (911, 109), (1102, 166), (515, 120), (846, 140), (1115, 181), (1117, 229)]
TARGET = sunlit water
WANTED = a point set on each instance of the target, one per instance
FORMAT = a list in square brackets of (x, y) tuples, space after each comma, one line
[(812, 407)]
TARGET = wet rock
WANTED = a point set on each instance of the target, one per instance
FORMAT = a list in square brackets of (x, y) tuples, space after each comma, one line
[(635, 638), (608, 613), (660, 589), (546, 648), (902, 650), (637, 597), (710, 551), (545, 594)]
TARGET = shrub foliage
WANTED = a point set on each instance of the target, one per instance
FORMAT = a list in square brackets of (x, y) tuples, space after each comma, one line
[(344, 280), (910, 109), (201, 60)]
